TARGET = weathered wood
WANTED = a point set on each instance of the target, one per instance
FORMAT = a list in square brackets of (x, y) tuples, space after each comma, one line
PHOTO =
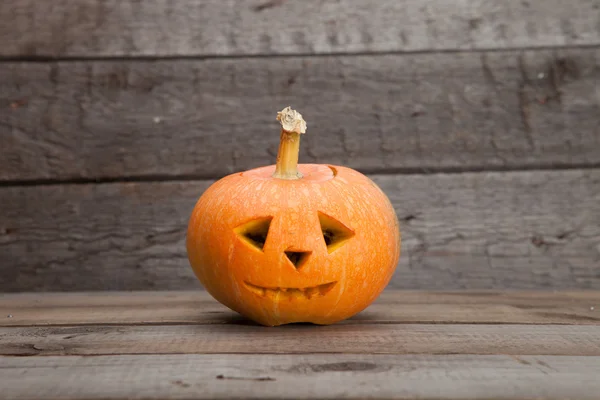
[(318, 376), (246, 338), (237, 359), (204, 119), (517, 230), (124, 308), (88, 28)]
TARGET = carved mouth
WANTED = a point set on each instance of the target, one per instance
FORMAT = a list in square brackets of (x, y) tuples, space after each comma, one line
[(307, 292)]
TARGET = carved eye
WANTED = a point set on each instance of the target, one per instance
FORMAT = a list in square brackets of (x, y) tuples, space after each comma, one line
[(335, 234), (255, 232)]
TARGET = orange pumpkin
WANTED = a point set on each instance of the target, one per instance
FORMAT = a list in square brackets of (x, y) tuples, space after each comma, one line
[(294, 243)]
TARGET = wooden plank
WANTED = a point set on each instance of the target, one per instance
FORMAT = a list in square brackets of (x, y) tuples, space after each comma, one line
[(247, 338), (175, 307), (318, 376), (87, 28), (206, 118), (517, 230)]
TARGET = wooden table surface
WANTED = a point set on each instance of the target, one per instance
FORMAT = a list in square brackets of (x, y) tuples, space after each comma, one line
[(185, 345)]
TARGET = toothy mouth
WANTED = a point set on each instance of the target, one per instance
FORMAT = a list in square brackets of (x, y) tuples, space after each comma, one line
[(307, 292)]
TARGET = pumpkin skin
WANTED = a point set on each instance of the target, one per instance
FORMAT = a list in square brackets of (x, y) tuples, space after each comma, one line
[(330, 283)]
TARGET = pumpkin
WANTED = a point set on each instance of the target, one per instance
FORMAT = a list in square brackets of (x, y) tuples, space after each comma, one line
[(292, 243)]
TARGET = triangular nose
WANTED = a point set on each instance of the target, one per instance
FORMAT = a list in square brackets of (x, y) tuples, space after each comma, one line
[(298, 258)]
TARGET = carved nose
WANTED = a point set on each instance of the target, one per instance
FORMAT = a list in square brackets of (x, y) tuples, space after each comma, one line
[(298, 258)]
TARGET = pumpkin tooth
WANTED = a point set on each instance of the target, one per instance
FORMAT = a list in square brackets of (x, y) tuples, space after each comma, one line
[(283, 289), (309, 292), (324, 289), (256, 289)]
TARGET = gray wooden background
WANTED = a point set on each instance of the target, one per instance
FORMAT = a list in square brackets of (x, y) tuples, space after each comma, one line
[(480, 119)]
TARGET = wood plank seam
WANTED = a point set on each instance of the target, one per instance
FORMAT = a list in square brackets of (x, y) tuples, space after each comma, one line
[(241, 57), (424, 171)]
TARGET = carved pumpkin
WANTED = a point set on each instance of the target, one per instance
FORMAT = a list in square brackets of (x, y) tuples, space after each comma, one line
[(294, 243)]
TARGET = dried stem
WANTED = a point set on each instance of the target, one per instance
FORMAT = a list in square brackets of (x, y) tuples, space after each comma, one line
[(292, 126)]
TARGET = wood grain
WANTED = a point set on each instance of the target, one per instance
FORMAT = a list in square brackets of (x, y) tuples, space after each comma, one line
[(88, 28), (516, 230), (319, 376), (247, 338), (206, 118), (194, 307)]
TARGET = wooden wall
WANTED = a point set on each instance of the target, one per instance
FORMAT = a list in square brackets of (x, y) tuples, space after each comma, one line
[(480, 119)]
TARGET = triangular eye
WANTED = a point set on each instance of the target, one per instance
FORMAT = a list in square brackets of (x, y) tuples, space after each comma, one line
[(335, 233), (255, 232)]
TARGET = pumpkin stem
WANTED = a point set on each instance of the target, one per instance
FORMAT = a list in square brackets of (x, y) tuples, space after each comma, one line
[(292, 126)]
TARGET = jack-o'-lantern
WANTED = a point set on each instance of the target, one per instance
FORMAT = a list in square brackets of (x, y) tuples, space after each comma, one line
[(294, 243)]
